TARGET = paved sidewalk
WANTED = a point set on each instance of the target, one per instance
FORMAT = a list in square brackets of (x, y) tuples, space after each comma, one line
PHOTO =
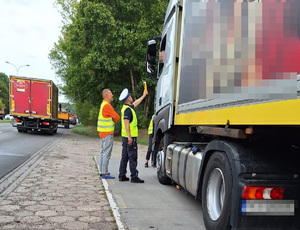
[(63, 192)]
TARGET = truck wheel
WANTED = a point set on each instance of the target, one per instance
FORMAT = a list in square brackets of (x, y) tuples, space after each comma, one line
[(216, 192), (20, 130), (51, 132), (160, 163)]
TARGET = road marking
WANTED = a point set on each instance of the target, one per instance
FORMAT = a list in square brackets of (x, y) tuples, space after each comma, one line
[(121, 201), (11, 154), (114, 207)]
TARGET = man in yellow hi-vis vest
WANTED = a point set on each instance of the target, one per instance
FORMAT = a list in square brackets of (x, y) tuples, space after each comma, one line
[(105, 127), (129, 137), (149, 151)]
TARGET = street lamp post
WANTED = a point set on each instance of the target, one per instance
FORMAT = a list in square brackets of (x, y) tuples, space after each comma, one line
[(17, 68)]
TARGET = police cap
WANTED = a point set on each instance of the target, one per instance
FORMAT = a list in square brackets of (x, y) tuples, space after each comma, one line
[(124, 95)]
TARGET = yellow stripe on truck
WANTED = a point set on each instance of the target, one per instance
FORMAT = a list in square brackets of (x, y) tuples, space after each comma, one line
[(272, 113), (12, 106)]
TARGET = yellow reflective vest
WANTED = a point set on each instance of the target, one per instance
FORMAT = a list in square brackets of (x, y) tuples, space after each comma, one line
[(132, 125), (105, 124), (150, 127)]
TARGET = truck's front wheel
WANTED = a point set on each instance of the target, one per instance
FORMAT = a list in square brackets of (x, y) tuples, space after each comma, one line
[(216, 192)]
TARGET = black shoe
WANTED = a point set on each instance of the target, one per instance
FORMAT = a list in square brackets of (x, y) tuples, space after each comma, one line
[(136, 180), (146, 165), (123, 178)]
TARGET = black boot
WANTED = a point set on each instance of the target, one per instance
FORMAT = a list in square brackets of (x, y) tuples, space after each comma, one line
[(136, 180)]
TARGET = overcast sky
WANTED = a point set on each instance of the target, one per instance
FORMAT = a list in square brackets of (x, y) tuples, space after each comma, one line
[(28, 31)]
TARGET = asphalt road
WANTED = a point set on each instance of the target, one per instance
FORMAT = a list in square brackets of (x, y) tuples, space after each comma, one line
[(152, 205), (142, 206), (15, 148)]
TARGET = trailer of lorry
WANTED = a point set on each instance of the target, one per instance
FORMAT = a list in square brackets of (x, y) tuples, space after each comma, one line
[(34, 104), (226, 124), (63, 117)]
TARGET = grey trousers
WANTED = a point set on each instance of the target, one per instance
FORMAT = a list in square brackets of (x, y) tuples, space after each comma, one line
[(106, 145)]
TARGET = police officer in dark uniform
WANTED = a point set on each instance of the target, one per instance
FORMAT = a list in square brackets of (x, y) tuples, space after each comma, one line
[(129, 137)]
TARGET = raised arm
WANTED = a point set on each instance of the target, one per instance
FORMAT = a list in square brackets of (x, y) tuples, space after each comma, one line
[(139, 100)]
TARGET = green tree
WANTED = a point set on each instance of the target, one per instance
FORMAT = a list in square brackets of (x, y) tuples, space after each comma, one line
[(1, 103), (4, 95), (4, 78), (103, 46)]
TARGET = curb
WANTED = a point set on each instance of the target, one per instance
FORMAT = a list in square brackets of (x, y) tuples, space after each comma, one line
[(12, 180), (114, 207)]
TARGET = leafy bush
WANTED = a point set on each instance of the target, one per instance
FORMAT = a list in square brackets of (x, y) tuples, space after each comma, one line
[(87, 113)]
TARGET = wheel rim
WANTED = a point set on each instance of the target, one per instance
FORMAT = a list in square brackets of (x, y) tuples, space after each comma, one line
[(158, 161), (215, 194)]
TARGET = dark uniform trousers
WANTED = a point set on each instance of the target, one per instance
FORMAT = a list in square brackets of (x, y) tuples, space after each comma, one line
[(149, 151), (129, 153)]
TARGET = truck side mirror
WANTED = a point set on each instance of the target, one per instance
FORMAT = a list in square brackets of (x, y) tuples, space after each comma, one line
[(151, 58)]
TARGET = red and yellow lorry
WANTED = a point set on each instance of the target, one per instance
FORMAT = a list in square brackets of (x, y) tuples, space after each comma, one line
[(63, 117), (34, 104), (227, 122)]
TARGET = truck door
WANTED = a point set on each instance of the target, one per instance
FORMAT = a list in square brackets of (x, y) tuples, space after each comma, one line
[(164, 88), (40, 98), (20, 97)]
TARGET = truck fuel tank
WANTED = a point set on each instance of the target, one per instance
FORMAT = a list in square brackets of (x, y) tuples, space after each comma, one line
[(183, 165)]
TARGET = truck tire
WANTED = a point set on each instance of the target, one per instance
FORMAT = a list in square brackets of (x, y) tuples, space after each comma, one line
[(216, 193), (160, 163), (50, 131)]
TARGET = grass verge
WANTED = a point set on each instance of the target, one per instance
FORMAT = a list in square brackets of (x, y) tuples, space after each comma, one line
[(5, 121), (91, 131)]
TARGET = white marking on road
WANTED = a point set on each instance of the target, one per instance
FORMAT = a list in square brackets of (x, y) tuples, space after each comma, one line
[(114, 207), (120, 201), (11, 154)]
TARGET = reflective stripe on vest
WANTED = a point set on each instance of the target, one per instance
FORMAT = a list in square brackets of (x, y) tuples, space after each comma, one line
[(132, 125), (105, 124)]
